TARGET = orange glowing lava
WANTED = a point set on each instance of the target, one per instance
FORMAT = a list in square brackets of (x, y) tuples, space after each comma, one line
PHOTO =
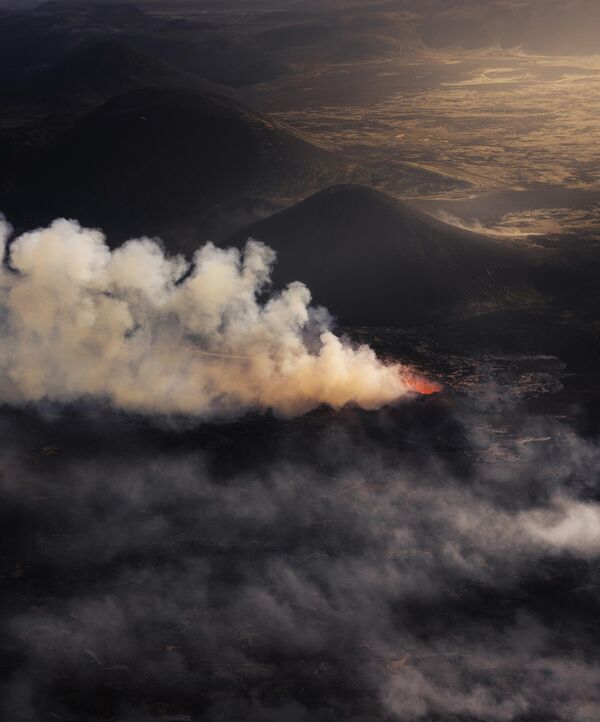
[(421, 385)]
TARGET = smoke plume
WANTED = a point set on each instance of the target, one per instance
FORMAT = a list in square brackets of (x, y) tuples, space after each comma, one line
[(160, 335), (421, 562)]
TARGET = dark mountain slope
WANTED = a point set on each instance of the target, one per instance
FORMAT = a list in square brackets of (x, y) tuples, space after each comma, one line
[(38, 110), (106, 69), (153, 161), (36, 39), (372, 260)]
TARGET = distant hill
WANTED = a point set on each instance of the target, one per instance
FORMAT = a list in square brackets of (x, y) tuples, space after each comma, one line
[(106, 69), (35, 39), (100, 12), (539, 26), (338, 34), (372, 260), (554, 27), (154, 160), (229, 55)]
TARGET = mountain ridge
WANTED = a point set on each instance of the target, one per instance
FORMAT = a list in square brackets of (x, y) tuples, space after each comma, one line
[(373, 260)]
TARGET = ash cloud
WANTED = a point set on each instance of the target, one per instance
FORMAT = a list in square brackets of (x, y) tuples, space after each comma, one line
[(158, 335)]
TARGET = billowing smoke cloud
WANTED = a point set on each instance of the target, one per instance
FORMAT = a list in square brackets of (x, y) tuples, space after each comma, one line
[(159, 335)]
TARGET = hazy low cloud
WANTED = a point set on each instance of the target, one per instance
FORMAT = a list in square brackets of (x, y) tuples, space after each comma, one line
[(156, 334), (358, 583), (568, 525)]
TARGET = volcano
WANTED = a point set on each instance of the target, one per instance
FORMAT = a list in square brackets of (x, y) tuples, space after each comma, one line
[(153, 160), (373, 260)]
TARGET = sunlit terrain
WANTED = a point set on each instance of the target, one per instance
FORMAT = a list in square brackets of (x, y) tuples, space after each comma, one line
[(486, 123)]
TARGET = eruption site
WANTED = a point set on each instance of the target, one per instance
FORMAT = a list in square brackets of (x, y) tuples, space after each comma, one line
[(159, 335)]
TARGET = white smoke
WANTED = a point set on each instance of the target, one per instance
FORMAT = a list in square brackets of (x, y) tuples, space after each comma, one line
[(159, 335), (568, 526)]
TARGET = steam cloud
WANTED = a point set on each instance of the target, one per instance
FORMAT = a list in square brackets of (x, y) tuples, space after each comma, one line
[(159, 335)]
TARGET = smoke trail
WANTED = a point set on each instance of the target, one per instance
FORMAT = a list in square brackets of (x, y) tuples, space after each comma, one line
[(155, 334)]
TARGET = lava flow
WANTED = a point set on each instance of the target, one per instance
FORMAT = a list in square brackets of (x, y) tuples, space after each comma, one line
[(421, 385)]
